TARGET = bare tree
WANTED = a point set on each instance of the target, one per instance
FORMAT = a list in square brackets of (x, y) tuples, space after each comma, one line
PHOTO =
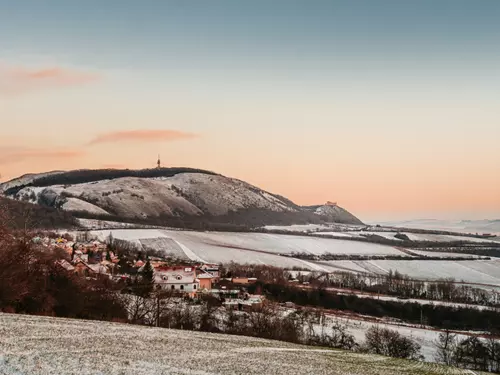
[(445, 345), (391, 343)]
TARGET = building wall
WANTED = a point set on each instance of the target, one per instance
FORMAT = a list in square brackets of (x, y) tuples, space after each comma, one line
[(206, 284), (188, 288), (240, 280)]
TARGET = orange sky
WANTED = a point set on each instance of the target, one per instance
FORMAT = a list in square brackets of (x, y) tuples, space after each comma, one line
[(390, 110)]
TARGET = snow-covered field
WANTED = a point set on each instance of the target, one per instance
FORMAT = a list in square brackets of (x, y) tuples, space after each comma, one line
[(256, 248), (263, 248), (412, 236), (473, 271), (353, 231), (424, 337), (44, 345), (311, 228), (462, 226), (444, 238), (410, 300)]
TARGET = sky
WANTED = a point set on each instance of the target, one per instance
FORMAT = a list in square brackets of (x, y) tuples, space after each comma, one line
[(389, 107)]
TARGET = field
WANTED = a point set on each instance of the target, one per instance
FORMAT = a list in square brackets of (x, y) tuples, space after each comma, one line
[(43, 345), (474, 271), (264, 248), (357, 231), (257, 248), (426, 338)]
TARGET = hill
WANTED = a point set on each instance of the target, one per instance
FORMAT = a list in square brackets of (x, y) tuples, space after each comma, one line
[(331, 212), (184, 194), (44, 345), (21, 214)]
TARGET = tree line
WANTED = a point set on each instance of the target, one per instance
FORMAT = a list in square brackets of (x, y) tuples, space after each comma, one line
[(439, 316), (396, 284), (92, 175), (470, 353)]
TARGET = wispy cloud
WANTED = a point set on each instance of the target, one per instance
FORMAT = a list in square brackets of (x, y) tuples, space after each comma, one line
[(18, 80), (9, 155), (146, 135)]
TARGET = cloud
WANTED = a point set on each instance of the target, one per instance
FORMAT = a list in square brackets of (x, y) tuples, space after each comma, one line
[(19, 80), (10, 155), (146, 135)]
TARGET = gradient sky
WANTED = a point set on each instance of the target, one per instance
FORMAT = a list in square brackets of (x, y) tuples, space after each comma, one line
[(391, 108)]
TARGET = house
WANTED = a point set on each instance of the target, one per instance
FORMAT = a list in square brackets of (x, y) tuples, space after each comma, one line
[(248, 303), (178, 279), (65, 265), (205, 280), (213, 269), (84, 269), (79, 256)]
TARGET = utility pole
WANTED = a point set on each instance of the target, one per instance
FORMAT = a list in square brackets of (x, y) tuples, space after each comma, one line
[(157, 309)]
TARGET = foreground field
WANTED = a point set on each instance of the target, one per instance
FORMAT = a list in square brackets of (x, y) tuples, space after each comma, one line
[(42, 345)]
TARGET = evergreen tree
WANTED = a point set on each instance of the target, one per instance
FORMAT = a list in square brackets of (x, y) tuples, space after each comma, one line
[(146, 279), (111, 242)]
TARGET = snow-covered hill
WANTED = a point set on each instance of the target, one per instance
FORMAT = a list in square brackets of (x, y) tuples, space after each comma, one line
[(172, 194), (331, 212)]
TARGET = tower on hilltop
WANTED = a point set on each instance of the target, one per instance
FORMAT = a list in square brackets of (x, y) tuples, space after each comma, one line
[(158, 163)]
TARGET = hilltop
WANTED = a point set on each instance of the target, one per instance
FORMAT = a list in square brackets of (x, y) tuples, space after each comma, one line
[(44, 345), (180, 194), (331, 212)]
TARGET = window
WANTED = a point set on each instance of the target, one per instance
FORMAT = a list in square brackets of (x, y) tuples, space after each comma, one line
[(173, 287), (194, 287), (182, 287), (178, 277), (165, 278)]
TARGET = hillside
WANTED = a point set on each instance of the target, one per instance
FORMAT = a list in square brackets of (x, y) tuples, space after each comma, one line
[(21, 214), (184, 193), (44, 345), (334, 214)]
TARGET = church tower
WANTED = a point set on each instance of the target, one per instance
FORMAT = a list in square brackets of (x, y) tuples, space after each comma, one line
[(158, 163)]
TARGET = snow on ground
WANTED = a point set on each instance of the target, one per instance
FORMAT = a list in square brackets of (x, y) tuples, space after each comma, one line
[(410, 300), (280, 244), (443, 255), (44, 345), (339, 234), (264, 248), (424, 337), (462, 226), (412, 236), (188, 193), (312, 228), (95, 224), (444, 238), (257, 248), (24, 180), (298, 227), (476, 271), (481, 273), (75, 204)]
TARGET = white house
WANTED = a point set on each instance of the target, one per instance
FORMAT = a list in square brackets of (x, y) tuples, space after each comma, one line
[(178, 279)]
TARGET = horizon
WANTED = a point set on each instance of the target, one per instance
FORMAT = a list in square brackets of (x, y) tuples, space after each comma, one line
[(390, 109)]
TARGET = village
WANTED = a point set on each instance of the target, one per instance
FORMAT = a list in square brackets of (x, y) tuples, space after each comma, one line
[(130, 271)]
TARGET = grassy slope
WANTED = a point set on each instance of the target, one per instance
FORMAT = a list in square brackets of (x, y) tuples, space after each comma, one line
[(43, 345), (35, 216)]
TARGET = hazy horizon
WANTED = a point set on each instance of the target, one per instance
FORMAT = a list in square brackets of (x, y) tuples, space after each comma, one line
[(390, 109)]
